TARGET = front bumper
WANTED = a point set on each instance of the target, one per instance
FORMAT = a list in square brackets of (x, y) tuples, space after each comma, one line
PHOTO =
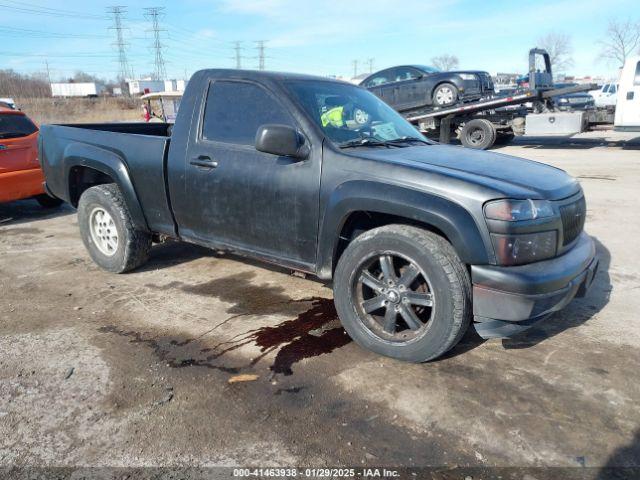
[(508, 300)]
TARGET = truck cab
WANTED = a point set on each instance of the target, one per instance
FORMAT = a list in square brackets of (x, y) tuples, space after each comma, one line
[(627, 116)]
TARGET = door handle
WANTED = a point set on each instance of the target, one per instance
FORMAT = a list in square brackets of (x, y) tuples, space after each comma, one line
[(204, 161)]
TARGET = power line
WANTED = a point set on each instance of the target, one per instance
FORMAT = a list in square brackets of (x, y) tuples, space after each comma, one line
[(118, 12), (45, 34), (54, 12), (237, 48), (154, 14)]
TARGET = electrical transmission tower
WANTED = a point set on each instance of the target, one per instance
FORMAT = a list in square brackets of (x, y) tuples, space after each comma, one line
[(237, 48), (260, 47), (355, 68), (118, 13), (369, 62), (154, 14)]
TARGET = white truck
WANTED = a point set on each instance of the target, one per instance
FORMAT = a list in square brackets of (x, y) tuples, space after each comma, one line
[(628, 101), (76, 89), (606, 95)]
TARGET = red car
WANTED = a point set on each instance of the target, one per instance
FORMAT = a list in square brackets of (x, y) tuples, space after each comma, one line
[(20, 173)]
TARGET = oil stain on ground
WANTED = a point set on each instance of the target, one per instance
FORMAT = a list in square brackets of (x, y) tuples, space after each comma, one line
[(313, 332)]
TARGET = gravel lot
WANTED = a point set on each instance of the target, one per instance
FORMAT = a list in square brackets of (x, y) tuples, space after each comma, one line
[(133, 370)]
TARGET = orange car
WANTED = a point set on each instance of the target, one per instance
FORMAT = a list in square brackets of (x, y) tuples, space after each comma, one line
[(20, 173)]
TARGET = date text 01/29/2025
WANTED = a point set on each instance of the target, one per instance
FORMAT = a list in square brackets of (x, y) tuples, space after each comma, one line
[(315, 472)]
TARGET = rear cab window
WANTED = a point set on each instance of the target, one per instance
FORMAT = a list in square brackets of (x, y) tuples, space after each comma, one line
[(15, 126), (234, 111)]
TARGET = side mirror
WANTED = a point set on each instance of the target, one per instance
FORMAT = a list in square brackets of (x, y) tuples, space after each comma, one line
[(282, 140)]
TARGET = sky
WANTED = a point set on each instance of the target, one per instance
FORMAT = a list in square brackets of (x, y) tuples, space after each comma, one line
[(321, 37)]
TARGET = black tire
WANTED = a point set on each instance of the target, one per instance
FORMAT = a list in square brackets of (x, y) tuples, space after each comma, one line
[(445, 95), (46, 201), (448, 282), (478, 133), (132, 246)]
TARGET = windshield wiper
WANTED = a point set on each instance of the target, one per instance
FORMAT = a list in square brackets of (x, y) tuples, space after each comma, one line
[(367, 142), (398, 140)]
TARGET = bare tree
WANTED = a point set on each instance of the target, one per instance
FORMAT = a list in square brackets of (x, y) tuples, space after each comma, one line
[(445, 62), (622, 38), (79, 76), (14, 84), (559, 47)]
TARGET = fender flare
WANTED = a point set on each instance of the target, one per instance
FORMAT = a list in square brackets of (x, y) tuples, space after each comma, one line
[(457, 224), (109, 163)]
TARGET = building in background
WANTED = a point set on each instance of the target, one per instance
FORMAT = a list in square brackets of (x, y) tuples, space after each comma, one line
[(76, 89)]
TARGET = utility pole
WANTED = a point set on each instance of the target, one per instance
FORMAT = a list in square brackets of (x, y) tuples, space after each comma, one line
[(261, 57), (118, 12), (355, 68), (46, 64), (154, 14), (237, 47), (369, 62)]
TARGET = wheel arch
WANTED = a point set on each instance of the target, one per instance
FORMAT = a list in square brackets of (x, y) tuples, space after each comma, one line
[(361, 205), (87, 166)]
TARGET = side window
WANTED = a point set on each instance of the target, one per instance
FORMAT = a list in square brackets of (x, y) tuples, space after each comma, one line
[(235, 110), (612, 88), (636, 78), (380, 79), (403, 73), (15, 126), (605, 88)]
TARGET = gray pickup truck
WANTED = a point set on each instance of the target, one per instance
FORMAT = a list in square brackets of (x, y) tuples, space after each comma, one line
[(319, 176)]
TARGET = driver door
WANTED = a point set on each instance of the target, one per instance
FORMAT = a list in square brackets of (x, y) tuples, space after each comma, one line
[(255, 201)]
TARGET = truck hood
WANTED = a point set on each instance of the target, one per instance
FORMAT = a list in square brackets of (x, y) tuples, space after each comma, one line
[(510, 176)]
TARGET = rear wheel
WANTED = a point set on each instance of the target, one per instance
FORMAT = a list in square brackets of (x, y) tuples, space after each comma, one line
[(48, 202), (402, 292), (445, 95), (108, 232), (478, 133)]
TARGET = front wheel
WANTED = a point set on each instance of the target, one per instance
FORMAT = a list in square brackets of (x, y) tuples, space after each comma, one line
[(445, 95), (108, 232), (402, 292)]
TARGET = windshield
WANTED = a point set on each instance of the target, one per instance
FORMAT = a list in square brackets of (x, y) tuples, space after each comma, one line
[(12, 126), (349, 114)]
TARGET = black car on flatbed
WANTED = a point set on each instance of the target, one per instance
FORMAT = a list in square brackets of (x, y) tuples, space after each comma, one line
[(410, 87), (322, 177)]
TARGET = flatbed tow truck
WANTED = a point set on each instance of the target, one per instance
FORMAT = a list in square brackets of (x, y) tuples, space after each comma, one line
[(496, 120)]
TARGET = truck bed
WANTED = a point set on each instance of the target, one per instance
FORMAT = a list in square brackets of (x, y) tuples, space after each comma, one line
[(141, 148)]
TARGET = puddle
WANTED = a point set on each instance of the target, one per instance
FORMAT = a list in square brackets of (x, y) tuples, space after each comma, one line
[(166, 351), (313, 332)]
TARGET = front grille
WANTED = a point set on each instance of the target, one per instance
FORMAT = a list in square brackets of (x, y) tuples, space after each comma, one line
[(573, 216)]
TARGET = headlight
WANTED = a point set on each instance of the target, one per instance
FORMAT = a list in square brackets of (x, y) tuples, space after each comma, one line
[(517, 210), (525, 248), (467, 76)]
